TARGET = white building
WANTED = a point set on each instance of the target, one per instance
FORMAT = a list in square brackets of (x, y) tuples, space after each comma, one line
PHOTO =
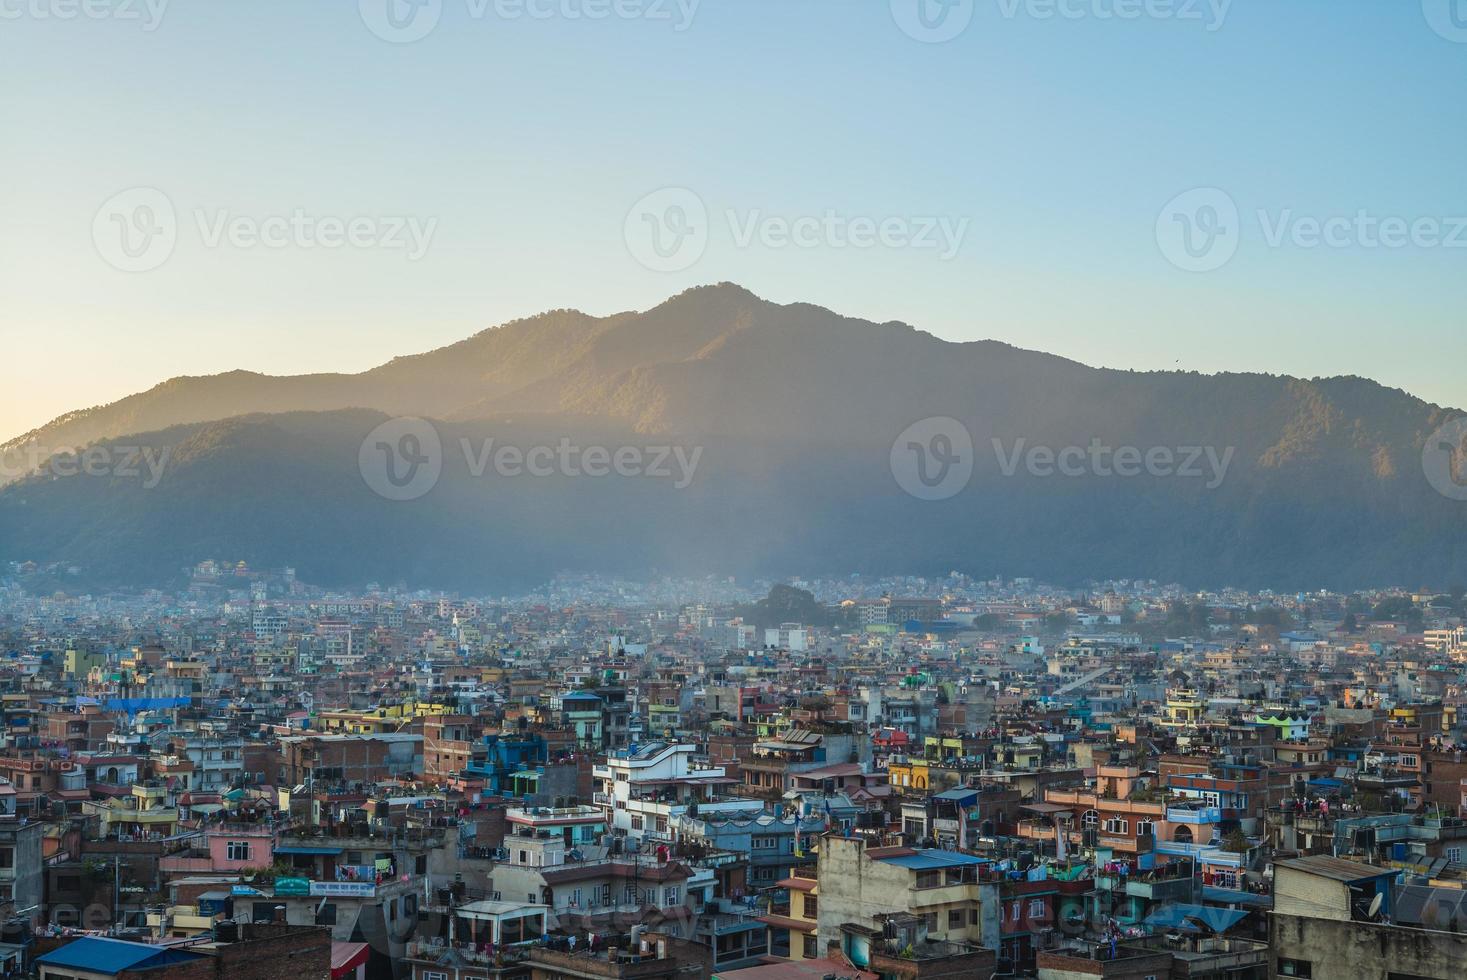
[(644, 788), (787, 636)]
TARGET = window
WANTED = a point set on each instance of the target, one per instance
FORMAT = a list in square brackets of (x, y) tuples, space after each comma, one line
[(1090, 821), (1036, 908), (955, 918), (1453, 854), (765, 843), (239, 850), (636, 821), (810, 948), (326, 915), (431, 975), (812, 906), (1295, 968), (671, 896)]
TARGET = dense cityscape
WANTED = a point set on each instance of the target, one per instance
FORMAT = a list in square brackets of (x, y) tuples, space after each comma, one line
[(857, 777), (733, 490)]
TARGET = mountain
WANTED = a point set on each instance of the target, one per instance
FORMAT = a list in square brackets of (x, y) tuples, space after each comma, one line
[(793, 412)]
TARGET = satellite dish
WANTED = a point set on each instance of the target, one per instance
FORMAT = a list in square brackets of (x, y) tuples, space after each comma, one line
[(1375, 904)]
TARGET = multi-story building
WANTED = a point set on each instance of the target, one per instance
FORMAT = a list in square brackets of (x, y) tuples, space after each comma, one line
[(592, 895), (22, 870), (642, 791)]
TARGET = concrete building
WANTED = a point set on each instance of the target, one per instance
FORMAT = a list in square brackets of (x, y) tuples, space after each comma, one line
[(1336, 918), (22, 872), (859, 884), (642, 791)]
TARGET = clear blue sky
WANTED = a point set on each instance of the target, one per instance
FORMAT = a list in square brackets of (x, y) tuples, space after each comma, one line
[(529, 139)]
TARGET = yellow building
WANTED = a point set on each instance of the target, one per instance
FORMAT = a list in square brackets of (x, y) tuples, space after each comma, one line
[(80, 662), (384, 720), (795, 926), (1183, 709), (908, 776)]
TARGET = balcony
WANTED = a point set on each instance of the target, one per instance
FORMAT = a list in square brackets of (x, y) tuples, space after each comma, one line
[(1194, 815), (418, 950)]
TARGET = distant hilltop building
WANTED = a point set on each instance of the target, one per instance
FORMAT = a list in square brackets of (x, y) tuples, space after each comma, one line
[(788, 636)]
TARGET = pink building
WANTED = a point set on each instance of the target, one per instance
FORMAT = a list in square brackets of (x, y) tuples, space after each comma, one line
[(229, 848)]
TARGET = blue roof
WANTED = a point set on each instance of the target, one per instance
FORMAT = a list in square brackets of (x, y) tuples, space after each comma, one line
[(1183, 916), (113, 956), (1232, 896), (580, 696), (309, 851), (933, 859)]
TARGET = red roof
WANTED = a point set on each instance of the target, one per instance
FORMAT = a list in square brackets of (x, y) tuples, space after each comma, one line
[(346, 957)]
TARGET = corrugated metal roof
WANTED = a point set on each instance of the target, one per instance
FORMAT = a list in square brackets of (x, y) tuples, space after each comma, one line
[(1336, 868), (931, 860), (113, 956)]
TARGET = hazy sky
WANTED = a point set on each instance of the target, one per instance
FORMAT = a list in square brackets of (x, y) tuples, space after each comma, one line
[(1047, 140)]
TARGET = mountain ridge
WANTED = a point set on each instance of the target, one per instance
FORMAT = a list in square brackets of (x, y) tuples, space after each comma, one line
[(798, 413)]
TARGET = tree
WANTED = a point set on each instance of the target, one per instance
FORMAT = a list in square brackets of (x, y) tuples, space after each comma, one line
[(787, 604)]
